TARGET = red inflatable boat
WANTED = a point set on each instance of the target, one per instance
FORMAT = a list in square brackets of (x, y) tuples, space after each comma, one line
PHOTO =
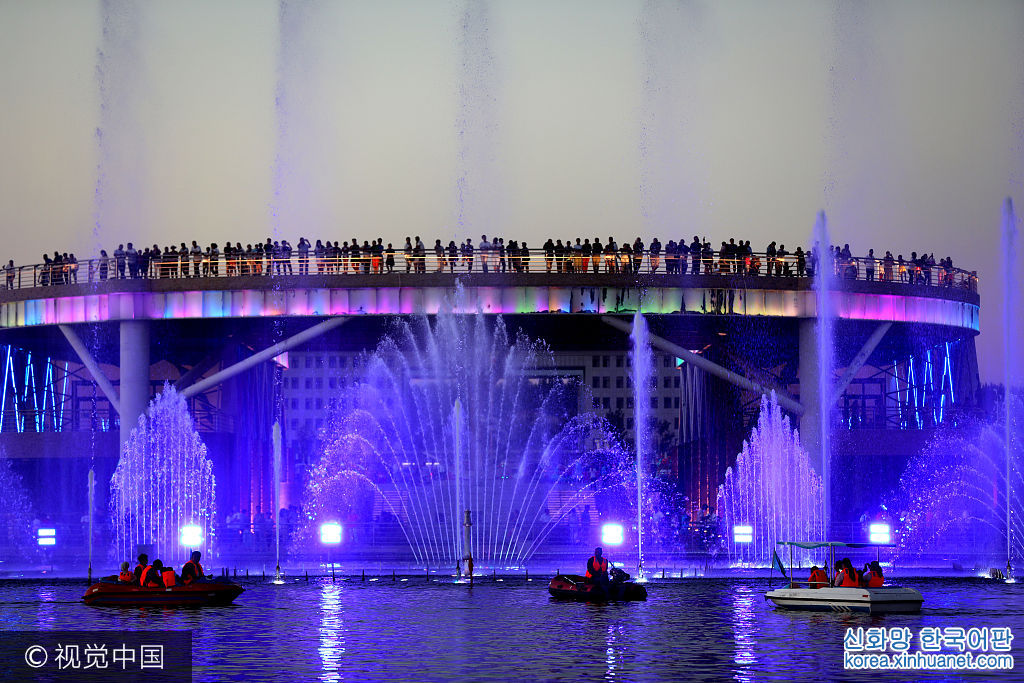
[(572, 587), (196, 594)]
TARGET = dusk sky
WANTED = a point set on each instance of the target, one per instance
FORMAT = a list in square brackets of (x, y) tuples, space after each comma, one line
[(904, 121)]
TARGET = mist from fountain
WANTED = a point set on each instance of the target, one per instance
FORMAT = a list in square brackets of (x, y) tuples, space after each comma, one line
[(1011, 375), (643, 369), (824, 284), (163, 483), (772, 489), (453, 415), (17, 535)]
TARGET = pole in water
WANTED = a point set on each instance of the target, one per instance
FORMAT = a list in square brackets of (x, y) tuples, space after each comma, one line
[(364, 575), (393, 575), (307, 576)]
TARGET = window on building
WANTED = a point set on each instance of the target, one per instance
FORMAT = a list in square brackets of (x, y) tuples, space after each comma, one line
[(332, 361), (667, 383), (629, 361), (606, 382), (596, 382), (606, 402), (319, 403), (618, 361), (629, 423), (675, 402), (654, 402), (620, 402), (675, 381), (295, 404), (595, 362), (309, 361), (309, 382), (332, 383), (319, 382), (666, 403), (668, 362), (677, 423), (319, 361), (629, 403), (309, 404), (619, 382), (629, 382), (605, 360), (341, 362)]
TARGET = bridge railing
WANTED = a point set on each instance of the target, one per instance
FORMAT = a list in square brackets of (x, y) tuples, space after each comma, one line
[(757, 264)]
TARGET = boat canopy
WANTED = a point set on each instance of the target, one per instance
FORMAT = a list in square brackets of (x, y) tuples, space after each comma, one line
[(810, 545)]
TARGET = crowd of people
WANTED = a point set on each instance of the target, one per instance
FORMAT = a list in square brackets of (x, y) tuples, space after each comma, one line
[(157, 575), (325, 257)]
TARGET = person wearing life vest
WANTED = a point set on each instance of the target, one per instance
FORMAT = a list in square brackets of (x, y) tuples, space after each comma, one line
[(167, 577), (152, 575), (597, 568), (848, 577), (141, 567), (126, 575), (818, 578), (874, 576), (192, 570)]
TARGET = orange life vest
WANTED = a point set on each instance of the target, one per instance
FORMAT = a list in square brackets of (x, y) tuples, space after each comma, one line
[(190, 578), (875, 580), (848, 579), (126, 577), (818, 579), (168, 576), (143, 576), (599, 565)]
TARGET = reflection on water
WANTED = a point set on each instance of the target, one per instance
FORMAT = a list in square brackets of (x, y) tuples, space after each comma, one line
[(332, 644), (414, 630), (743, 628)]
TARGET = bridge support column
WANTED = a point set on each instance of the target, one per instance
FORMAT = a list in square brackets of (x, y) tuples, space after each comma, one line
[(809, 369), (134, 374)]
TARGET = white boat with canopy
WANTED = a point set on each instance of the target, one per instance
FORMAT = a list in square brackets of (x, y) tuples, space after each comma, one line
[(800, 595)]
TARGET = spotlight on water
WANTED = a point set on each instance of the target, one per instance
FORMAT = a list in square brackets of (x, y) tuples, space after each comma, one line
[(47, 537), (743, 534), (879, 533), (612, 534), (190, 536), (330, 533)]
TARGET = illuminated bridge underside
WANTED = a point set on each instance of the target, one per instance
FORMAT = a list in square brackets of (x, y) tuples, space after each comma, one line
[(408, 300)]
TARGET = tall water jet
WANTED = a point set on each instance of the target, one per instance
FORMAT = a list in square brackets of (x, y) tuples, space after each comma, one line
[(824, 282), (451, 415), (1011, 360), (121, 182), (162, 492), (276, 439), (772, 489), (643, 367), (478, 187)]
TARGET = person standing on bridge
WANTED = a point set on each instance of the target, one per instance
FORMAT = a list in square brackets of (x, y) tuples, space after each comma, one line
[(485, 252)]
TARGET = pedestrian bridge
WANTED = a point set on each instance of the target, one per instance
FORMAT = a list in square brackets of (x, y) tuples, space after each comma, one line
[(504, 293)]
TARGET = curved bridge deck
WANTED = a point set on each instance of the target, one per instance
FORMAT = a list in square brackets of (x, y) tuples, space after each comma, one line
[(504, 293)]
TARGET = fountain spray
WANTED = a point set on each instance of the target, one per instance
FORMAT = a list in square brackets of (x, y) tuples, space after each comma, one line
[(1009, 252), (276, 438), (642, 366)]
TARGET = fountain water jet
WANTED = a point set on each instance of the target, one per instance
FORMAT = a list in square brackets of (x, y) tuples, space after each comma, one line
[(643, 362), (772, 489), (1011, 358), (163, 483), (451, 415), (824, 282)]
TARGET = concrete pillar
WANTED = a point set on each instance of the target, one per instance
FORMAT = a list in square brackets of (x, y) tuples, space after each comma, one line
[(810, 393), (134, 374)]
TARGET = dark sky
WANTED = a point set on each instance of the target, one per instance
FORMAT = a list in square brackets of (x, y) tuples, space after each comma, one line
[(904, 121)]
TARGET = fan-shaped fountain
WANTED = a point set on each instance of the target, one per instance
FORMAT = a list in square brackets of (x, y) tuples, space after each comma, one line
[(771, 489), (162, 492), (452, 415)]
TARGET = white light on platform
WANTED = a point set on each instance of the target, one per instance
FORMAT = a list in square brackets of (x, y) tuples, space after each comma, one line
[(742, 534), (330, 533), (879, 533), (190, 535), (611, 534), (46, 536)]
